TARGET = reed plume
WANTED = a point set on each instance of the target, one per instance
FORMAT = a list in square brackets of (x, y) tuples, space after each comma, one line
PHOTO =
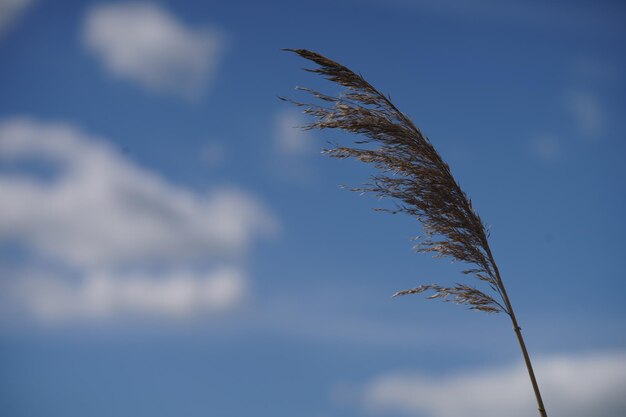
[(411, 172)]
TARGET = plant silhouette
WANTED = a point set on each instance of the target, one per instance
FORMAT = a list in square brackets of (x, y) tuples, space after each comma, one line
[(412, 173)]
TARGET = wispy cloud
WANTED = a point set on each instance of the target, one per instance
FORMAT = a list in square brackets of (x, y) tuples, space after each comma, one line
[(289, 138), (546, 146), (99, 212), (10, 12), (104, 295), (143, 43), (572, 386), (292, 145), (587, 111)]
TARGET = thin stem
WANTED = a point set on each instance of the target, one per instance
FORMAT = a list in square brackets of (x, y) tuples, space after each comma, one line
[(529, 366), (520, 339)]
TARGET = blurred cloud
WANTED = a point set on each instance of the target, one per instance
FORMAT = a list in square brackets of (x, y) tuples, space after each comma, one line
[(10, 12), (99, 212), (546, 146), (292, 145), (102, 294), (572, 386), (289, 138), (587, 111), (108, 211), (143, 43)]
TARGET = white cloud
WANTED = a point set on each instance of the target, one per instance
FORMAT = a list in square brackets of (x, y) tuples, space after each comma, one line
[(102, 294), (143, 43), (100, 212), (572, 386), (10, 12), (107, 211), (587, 111)]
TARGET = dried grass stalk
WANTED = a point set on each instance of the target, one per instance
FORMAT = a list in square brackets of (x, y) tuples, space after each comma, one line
[(412, 173)]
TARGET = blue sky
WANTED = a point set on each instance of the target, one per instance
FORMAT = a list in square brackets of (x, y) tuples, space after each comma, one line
[(171, 245)]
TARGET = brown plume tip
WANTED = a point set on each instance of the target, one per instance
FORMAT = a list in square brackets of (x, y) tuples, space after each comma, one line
[(410, 172)]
